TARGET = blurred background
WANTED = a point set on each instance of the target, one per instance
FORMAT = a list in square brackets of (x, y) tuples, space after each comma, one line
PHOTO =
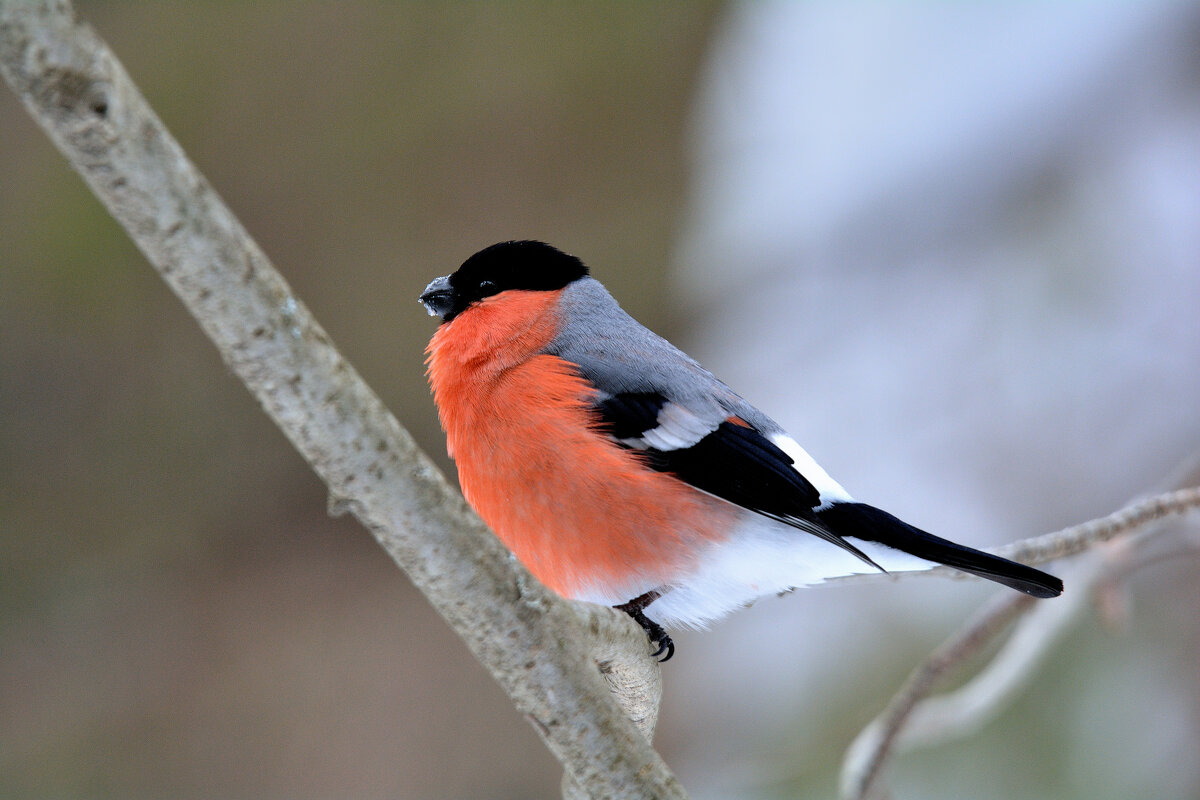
[(955, 249)]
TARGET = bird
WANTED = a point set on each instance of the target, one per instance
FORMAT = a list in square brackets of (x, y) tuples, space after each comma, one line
[(620, 471)]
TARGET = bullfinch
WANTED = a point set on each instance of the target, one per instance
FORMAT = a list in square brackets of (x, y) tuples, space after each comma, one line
[(620, 471)]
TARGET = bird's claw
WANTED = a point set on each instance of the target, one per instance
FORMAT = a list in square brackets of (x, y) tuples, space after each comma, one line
[(665, 645), (657, 635)]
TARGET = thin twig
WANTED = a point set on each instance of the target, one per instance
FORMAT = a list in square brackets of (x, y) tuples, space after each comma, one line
[(1078, 538), (958, 713), (965, 710), (911, 719), (869, 751)]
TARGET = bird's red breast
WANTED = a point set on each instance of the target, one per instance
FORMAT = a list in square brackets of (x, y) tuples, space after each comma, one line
[(581, 512)]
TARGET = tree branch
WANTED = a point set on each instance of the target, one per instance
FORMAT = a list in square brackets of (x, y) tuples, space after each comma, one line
[(914, 720), (870, 750), (532, 642), (1079, 538)]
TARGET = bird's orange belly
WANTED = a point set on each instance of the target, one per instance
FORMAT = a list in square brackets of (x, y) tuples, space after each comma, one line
[(585, 515)]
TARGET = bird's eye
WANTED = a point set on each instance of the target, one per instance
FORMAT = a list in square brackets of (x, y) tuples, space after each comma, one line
[(487, 287)]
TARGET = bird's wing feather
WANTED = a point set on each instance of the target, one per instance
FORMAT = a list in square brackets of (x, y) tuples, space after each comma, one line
[(726, 457)]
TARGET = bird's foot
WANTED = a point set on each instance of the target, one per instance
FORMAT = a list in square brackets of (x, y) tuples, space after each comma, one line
[(658, 636)]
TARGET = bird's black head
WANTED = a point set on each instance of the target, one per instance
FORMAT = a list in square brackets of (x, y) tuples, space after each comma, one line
[(528, 265)]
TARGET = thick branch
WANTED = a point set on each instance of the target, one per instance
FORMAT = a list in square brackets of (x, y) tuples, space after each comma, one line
[(531, 641)]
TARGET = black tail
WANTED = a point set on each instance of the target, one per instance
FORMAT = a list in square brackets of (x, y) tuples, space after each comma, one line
[(870, 524)]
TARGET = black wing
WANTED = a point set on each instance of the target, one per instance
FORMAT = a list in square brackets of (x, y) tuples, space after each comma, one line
[(733, 461)]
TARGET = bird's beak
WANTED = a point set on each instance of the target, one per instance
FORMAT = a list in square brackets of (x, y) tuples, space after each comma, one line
[(438, 297)]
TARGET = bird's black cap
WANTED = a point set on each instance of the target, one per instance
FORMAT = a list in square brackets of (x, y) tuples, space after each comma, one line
[(525, 264)]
